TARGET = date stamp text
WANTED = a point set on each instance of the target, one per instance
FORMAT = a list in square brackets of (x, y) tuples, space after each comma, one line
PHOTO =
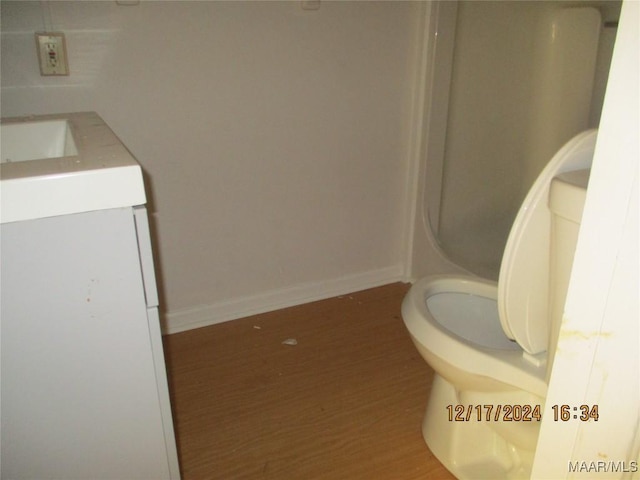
[(494, 413), (519, 413)]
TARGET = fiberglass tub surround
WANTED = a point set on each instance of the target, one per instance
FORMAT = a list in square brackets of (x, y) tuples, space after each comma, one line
[(65, 163), (522, 79)]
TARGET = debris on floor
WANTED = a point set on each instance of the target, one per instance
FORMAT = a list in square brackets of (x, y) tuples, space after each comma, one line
[(290, 341)]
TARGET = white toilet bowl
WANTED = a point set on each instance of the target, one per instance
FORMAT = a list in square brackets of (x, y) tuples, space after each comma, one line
[(489, 343), (453, 322)]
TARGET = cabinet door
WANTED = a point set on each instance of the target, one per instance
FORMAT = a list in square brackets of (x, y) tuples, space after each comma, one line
[(79, 393), (155, 334), (163, 391)]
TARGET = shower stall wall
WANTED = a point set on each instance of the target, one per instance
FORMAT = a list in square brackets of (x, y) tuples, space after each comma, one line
[(506, 84)]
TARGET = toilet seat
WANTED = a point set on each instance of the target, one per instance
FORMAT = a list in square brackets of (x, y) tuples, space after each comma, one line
[(523, 308), (487, 366)]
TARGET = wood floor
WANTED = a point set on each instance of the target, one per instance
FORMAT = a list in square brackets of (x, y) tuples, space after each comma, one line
[(346, 402)]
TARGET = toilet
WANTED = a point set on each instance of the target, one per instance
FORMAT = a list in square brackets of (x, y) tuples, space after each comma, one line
[(491, 345)]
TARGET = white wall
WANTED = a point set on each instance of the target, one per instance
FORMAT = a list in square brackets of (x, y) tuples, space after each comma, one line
[(274, 139)]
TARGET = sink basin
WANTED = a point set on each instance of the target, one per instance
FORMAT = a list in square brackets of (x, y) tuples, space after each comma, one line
[(34, 140), (64, 164)]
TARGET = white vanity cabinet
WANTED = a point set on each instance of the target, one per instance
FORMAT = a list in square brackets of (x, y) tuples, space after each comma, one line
[(84, 388)]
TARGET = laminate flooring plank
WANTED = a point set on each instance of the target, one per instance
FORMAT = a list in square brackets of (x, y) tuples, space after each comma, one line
[(346, 402)]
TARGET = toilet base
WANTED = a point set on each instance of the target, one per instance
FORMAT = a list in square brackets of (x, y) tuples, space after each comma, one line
[(470, 449)]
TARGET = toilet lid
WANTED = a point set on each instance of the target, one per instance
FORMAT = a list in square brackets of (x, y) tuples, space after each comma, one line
[(523, 284)]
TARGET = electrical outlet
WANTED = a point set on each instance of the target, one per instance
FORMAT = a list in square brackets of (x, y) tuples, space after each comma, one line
[(52, 53)]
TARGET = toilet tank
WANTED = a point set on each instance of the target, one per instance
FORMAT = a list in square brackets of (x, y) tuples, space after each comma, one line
[(566, 202)]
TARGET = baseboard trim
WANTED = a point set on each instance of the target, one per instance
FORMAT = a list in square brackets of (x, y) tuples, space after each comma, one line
[(211, 314)]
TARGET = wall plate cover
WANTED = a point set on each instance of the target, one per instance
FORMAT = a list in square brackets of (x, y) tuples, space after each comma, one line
[(52, 53), (310, 4)]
